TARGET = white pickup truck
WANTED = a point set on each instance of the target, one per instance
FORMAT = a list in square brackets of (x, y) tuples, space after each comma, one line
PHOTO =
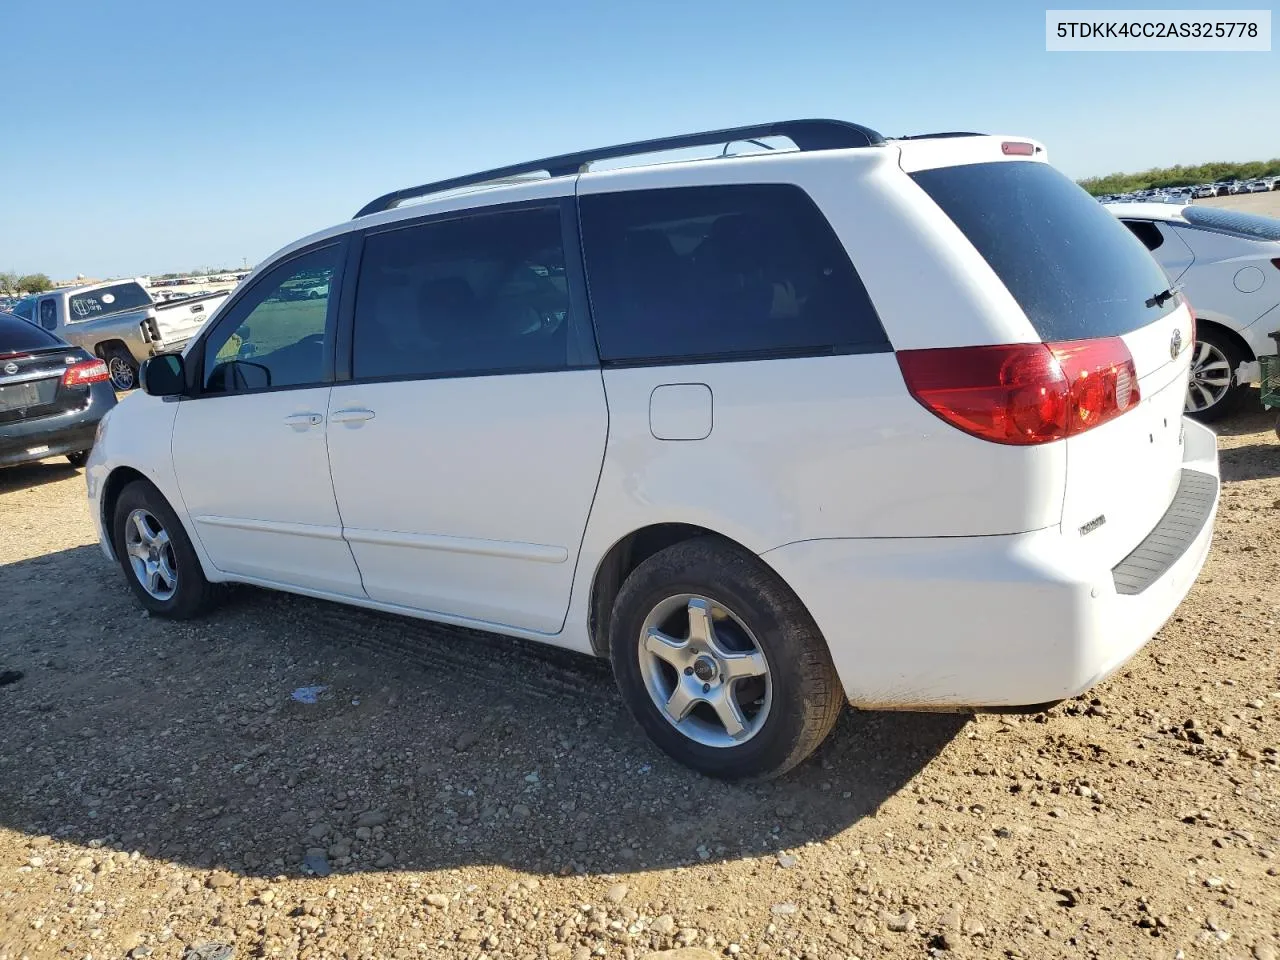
[(120, 322)]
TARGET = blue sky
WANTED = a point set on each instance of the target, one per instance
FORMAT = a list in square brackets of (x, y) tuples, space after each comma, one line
[(145, 137)]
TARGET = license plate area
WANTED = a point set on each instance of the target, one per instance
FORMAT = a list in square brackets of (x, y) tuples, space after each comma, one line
[(20, 396)]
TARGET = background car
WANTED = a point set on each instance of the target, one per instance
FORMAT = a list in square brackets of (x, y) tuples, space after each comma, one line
[(52, 395), (1228, 264)]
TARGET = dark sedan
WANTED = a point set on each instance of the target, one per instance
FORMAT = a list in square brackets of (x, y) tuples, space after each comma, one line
[(52, 395)]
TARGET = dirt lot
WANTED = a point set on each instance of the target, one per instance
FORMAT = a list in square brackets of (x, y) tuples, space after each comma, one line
[(470, 797)]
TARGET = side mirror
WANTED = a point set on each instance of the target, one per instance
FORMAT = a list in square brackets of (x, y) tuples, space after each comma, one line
[(164, 375)]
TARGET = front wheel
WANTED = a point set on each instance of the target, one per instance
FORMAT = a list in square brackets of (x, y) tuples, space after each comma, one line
[(158, 560), (720, 663)]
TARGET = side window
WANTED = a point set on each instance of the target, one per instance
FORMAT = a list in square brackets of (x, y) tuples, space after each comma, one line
[(721, 272), (274, 335), (26, 309), (1146, 231), (484, 293), (49, 314)]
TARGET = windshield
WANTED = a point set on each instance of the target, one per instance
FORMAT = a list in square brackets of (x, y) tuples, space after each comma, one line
[(105, 300), (1251, 225), (1074, 269)]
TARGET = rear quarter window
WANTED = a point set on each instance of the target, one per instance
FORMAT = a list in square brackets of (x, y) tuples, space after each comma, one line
[(721, 273), (1073, 268), (20, 336)]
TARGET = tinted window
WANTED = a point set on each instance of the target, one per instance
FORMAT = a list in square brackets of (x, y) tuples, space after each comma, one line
[(105, 300), (274, 335), (26, 309), (19, 336), (49, 314), (479, 294), (720, 272), (1073, 268), (1249, 225), (1146, 231)]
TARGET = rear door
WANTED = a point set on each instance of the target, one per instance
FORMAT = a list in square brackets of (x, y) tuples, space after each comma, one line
[(466, 446), (1078, 274)]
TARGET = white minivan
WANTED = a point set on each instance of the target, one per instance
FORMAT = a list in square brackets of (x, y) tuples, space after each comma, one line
[(895, 423)]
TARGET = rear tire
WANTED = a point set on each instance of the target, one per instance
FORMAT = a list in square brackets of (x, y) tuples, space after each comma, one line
[(124, 372), (735, 722), (1206, 399), (156, 555)]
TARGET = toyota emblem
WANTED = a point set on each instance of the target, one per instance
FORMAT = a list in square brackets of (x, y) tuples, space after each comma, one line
[(10, 367), (1175, 344)]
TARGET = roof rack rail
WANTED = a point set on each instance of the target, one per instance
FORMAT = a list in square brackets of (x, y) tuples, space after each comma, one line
[(805, 134), (941, 136)]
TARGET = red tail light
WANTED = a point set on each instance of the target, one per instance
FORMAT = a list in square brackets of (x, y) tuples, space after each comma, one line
[(1024, 393), (84, 373)]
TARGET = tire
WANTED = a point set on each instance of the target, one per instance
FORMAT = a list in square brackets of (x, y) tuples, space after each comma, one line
[(788, 711), (78, 459), (1211, 349), (186, 593), (121, 366)]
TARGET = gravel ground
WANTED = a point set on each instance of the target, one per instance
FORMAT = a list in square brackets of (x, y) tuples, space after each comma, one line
[(455, 795)]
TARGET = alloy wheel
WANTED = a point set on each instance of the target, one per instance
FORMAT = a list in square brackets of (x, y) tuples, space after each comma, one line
[(1210, 377), (151, 554), (705, 671)]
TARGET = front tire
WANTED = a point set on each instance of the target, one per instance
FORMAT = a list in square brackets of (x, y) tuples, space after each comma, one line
[(1213, 392), (720, 662), (78, 459), (156, 555)]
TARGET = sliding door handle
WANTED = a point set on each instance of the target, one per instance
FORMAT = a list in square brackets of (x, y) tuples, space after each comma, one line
[(351, 415), (302, 421)]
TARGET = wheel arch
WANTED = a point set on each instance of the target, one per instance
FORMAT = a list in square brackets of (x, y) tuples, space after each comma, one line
[(104, 348), (1205, 323), (627, 553), (116, 481)]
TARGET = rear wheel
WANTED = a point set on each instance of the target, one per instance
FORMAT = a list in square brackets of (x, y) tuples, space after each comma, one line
[(720, 663), (157, 557), (1213, 392), (124, 372)]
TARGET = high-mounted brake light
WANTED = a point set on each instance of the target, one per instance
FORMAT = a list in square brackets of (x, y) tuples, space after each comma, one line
[(84, 373), (1026, 393), (1015, 148)]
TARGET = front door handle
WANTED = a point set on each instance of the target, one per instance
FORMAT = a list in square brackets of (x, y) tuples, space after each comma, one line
[(351, 415), (302, 421)]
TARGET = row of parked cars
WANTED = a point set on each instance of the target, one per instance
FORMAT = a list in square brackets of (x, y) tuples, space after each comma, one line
[(890, 422), (1187, 194)]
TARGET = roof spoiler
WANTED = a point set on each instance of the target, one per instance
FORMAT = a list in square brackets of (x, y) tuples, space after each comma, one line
[(807, 135)]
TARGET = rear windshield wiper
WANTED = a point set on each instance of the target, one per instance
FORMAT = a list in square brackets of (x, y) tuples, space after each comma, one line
[(1161, 298)]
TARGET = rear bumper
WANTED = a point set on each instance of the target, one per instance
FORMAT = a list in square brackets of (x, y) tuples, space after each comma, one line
[(25, 441), (998, 621)]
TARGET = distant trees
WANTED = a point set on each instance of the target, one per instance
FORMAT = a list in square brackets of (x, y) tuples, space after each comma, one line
[(1180, 176), (11, 282), (35, 283)]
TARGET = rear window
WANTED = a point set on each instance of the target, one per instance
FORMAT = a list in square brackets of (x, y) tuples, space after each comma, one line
[(19, 336), (105, 300), (1071, 265), (1249, 225), (720, 273)]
